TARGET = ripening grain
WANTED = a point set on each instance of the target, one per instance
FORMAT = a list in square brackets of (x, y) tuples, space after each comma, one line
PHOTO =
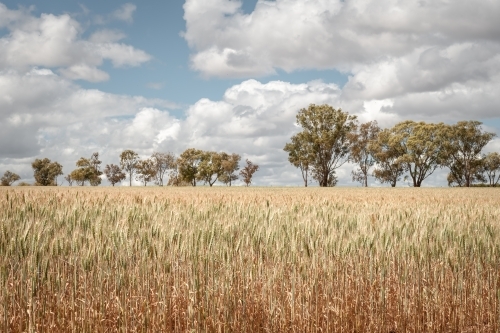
[(249, 260)]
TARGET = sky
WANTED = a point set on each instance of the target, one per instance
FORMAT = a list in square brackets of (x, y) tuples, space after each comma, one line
[(78, 77)]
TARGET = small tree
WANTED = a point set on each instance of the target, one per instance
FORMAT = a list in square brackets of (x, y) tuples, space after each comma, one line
[(9, 178), (248, 171), (491, 163), (360, 153), (114, 174), (230, 164), (46, 172), (69, 179), (300, 153), (188, 164), (146, 171), (162, 162), (210, 167), (128, 163), (88, 170)]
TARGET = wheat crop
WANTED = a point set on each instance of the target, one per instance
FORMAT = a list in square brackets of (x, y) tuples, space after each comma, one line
[(249, 260)]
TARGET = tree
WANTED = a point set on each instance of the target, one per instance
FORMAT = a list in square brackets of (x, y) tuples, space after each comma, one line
[(230, 164), (114, 174), (9, 178), (463, 146), (386, 152), (88, 170), (162, 162), (128, 163), (146, 171), (422, 146), (248, 171), (300, 153), (456, 175), (491, 163), (46, 172), (325, 130), (69, 179), (188, 163), (210, 167), (360, 152)]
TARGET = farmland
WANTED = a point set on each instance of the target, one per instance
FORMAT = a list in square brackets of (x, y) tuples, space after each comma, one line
[(249, 259)]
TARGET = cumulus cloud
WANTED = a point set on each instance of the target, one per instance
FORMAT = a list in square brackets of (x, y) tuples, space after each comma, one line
[(297, 34), (59, 44)]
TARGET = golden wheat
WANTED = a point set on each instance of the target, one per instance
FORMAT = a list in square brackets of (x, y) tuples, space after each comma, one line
[(249, 260)]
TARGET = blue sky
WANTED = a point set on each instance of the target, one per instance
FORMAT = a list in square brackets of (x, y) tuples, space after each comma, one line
[(84, 76)]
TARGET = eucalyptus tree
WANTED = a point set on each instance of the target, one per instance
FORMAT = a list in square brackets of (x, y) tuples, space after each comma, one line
[(230, 164), (325, 133), (45, 172), (248, 171), (300, 155), (491, 163), (163, 162), (128, 163), (9, 178), (361, 154), (463, 145), (422, 148), (188, 165), (386, 152)]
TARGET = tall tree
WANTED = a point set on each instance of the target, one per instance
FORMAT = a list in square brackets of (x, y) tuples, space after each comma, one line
[(230, 164), (326, 130), (146, 171), (247, 172), (9, 178), (422, 146), (128, 163), (491, 164), (464, 143), (114, 174), (162, 162), (386, 152), (210, 167), (360, 152), (188, 163), (300, 153), (46, 172)]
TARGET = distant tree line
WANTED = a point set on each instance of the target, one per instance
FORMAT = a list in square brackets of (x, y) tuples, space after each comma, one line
[(409, 150), (190, 168)]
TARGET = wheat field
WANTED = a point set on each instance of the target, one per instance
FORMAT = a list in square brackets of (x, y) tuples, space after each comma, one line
[(249, 260)]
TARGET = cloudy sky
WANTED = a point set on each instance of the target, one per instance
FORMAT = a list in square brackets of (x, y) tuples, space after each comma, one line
[(230, 75)]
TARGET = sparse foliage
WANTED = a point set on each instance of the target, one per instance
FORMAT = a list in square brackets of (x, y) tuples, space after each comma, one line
[(491, 165), (162, 163), (247, 172), (128, 163), (114, 174), (300, 154), (9, 178), (46, 172), (230, 164), (146, 171), (361, 155), (69, 179)]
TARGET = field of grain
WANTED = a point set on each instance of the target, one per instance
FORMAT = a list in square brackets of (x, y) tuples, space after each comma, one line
[(249, 260)]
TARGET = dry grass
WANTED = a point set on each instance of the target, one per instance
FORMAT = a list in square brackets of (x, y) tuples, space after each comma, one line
[(249, 260)]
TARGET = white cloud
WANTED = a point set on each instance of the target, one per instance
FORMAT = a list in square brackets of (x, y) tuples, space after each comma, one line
[(59, 44), (125, 13)]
